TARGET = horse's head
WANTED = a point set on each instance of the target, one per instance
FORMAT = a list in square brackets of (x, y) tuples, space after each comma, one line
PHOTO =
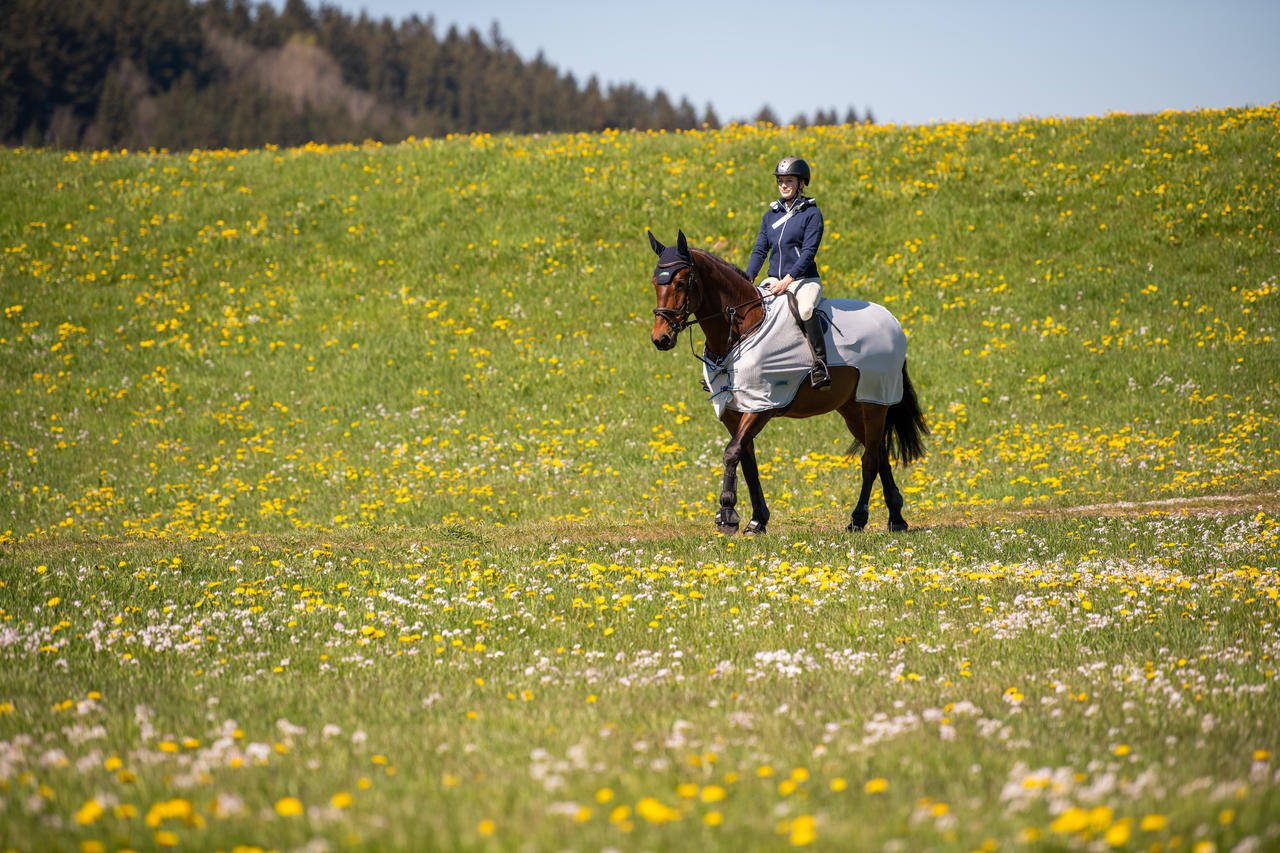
[(673, 281)]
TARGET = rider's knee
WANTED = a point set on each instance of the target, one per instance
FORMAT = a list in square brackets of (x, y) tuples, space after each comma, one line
[(808, 292)]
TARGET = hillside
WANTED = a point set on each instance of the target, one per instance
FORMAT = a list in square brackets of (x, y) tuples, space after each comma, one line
[(455, 333), (347, 504)]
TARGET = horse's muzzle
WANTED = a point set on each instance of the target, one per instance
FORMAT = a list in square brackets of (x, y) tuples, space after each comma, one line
[(664, 342)]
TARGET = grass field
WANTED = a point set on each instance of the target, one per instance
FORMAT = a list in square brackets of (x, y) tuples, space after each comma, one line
[(346, 503)]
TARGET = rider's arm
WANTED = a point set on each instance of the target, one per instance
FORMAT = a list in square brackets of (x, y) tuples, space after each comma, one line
[(759, 251)]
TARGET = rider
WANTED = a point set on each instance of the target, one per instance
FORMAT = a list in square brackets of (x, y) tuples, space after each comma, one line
[(790, 233)]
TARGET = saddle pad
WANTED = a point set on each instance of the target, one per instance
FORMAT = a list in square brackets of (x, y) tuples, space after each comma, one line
[(766, 370)]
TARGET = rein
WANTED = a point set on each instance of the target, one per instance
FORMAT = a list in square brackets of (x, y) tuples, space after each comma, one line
[(731, 314)]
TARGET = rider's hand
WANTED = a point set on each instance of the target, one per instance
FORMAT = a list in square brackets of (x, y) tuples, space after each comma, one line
[(779, 287)]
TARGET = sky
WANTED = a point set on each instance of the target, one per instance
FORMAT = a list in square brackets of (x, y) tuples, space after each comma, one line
[(909, 62)]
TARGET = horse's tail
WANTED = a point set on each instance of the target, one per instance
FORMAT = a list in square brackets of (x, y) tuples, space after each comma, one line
[(905, 428)]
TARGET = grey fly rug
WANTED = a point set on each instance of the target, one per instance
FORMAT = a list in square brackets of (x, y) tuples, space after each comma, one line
[(766, 370)]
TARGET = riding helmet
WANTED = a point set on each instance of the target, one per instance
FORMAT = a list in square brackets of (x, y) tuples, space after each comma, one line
[(795, 167)]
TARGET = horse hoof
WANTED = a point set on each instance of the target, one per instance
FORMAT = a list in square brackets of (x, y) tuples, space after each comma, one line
[(854, 528), (755, 528), (898, 526), (727, 529)]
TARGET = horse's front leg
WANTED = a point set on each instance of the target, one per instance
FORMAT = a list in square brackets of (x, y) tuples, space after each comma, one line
[(759, 510), (727, 516), (743, 429)]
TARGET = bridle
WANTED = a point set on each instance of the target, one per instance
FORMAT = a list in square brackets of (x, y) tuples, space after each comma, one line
[(679, 319)]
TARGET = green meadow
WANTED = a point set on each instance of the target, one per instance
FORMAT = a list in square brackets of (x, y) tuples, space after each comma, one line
[(347, 505)]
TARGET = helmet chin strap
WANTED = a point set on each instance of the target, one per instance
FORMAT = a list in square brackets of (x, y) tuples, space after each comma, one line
[(788, 203)]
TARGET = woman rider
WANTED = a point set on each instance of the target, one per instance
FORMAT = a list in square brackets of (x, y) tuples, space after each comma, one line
[(790, 233)]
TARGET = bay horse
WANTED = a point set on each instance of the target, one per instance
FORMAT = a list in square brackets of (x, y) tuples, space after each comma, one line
[(696, 286)]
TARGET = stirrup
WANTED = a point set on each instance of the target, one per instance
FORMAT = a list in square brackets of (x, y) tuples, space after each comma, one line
[(819, 378)]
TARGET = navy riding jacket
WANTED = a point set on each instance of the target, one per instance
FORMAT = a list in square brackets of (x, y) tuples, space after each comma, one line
[(790, 238)]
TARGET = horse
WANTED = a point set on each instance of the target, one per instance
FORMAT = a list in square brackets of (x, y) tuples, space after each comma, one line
[(696, 286)]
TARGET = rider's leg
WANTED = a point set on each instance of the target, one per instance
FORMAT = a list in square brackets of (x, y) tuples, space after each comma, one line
[(818, 376), (808, 291)]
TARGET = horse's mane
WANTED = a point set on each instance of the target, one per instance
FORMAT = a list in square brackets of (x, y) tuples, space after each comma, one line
[(721, 262)]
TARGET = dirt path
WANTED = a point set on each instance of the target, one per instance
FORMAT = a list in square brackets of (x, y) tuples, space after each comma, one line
[(1198, 505), (572, 534)]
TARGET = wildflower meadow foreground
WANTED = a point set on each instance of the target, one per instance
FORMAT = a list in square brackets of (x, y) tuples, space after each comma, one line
[(347, 505)]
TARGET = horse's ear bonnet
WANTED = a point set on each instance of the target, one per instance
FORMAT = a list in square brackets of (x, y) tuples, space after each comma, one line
[(671, 259)]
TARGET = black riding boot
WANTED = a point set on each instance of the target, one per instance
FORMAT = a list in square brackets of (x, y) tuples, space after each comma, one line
[(818, 376)]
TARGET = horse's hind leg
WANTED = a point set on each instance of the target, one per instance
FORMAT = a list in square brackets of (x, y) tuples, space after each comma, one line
[(892, 495), (866, 422)]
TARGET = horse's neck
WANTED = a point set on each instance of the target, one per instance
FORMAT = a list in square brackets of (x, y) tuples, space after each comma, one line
[(729, 306)]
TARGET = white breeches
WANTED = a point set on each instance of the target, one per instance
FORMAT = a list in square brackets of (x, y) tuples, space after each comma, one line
[(807, 290)]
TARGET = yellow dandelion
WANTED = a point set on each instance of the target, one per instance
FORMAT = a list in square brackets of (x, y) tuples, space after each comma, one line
[(803, 831), (486, 827), (876, 785), (175, 808), (1118, 834), (289, 807), (713, 794), (89, 812), (655, 812), (1153, 823), (1072, 820), (341, 800)]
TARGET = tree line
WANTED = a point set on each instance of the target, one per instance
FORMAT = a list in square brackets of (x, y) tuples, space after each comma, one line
[(234, 73)]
